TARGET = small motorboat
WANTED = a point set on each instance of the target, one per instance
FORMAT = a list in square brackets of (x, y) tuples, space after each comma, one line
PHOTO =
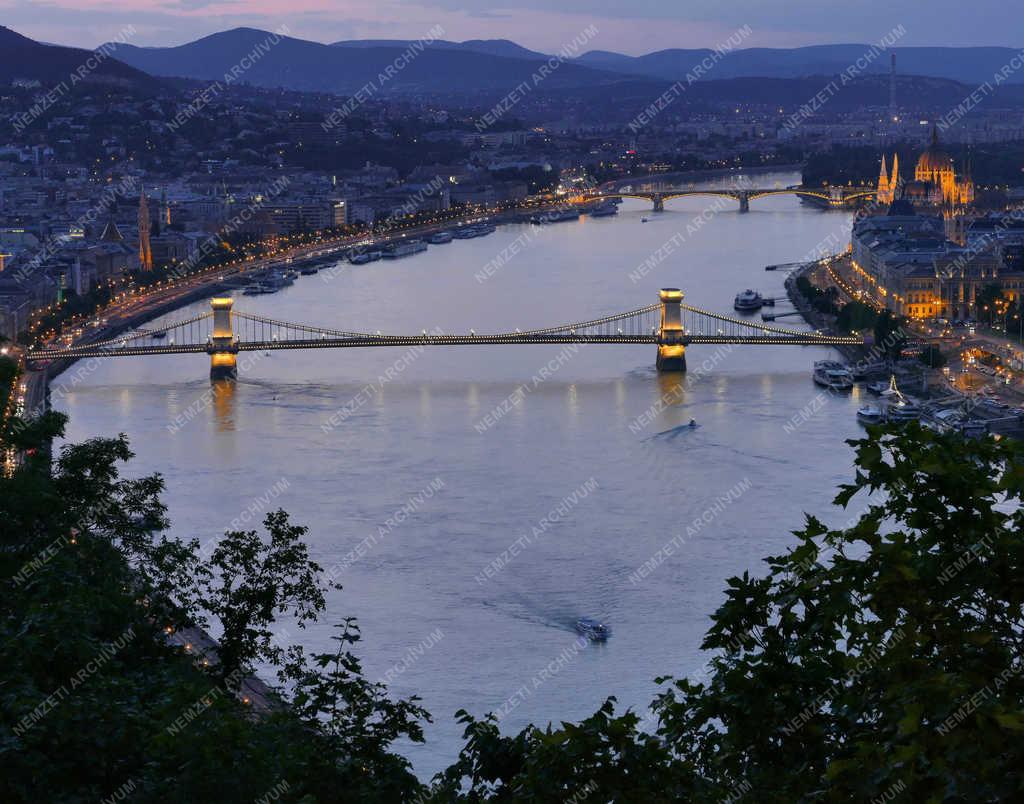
[(870, 414), (644, 220), (877, 388), (592, 629)]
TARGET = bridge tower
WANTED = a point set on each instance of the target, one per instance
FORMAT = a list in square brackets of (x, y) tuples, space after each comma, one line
[(659, 202), (671, 338), (222, 346), (744, 198)]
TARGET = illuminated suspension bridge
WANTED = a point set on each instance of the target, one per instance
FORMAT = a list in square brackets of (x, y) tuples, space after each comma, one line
[(224, 332)]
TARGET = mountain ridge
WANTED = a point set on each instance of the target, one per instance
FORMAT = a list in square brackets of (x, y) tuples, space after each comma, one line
[(24, 58)]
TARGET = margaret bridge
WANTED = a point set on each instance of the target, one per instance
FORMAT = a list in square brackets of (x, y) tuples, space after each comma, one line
[(224, 332), (831, 197)]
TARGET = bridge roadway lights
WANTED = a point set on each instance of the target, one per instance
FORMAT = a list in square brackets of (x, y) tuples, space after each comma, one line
[(671, 338), (222, 348)]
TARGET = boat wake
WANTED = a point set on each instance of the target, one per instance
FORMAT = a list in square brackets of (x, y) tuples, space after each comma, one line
[(673, 432)]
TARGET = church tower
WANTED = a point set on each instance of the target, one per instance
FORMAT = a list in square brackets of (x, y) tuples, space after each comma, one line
[(883, 193), (145, 250)]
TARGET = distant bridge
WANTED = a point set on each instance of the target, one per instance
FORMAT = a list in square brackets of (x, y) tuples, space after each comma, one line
[(223, 332), (834, 197)]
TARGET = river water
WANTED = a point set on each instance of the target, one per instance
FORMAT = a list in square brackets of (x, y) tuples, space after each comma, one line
[(475, 501)]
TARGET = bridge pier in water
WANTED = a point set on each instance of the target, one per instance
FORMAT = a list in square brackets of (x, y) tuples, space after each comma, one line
[(659, 202), (223, 348), (671, 338), (744, 199)]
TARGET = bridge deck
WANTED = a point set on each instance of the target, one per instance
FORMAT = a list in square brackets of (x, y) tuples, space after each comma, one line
[(441, 340)]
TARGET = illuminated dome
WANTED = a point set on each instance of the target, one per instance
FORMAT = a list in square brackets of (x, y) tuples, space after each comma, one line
[(934, 159)]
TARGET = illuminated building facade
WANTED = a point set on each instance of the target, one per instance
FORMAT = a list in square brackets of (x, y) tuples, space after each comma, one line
[(936, 182), (909, 263)]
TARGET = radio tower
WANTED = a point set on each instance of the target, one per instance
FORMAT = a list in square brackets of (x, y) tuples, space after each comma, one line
[(892, 89)]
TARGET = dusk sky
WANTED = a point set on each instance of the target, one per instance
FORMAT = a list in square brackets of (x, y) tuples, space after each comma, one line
[(628, 26)]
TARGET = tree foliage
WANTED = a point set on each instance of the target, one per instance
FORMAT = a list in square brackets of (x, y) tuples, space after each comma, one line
[(96, 704), (874, 659)]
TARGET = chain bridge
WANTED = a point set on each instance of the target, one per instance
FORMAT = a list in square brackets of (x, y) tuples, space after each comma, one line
[(223, 332)]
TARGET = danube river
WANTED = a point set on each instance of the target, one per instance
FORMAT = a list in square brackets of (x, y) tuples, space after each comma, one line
[(475, 501)]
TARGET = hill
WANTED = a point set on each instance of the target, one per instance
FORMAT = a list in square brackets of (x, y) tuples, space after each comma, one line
[(281, 61), (24, 58), (492, 47), (967, 64)]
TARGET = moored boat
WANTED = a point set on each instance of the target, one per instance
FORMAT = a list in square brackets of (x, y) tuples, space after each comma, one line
[(832, 375), (870, 414), (748, 300), (440, 238), (604, 210), (904, 410), (404, 249)]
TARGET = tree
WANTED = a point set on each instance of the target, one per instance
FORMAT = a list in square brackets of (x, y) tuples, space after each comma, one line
[(357, 719), (985, 301), (856, 316), (96, 705), (890, 336), (252, 582), (932, 356)]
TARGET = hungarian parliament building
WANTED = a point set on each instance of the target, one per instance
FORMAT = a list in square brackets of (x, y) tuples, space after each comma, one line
[(935, 182), (926, 257)]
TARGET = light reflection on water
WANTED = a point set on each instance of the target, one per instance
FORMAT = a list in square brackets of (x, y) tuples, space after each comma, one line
[(237, 440)]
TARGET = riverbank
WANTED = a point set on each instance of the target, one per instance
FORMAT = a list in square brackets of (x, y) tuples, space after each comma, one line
[(224, 279)]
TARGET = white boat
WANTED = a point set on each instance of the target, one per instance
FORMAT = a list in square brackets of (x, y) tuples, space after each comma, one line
[(904, 410), (748, 300), (359, 259), (832, 375), (870, 414), (404, 249), (440, 238), (877, 388)]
